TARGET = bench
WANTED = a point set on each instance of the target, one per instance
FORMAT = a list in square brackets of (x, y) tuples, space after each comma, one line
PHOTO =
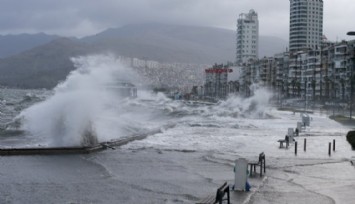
[(282, 143), (286, 140), (260, 162), (218, 198)]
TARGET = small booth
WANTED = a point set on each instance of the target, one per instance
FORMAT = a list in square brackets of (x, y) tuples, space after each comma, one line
[(240, 174)]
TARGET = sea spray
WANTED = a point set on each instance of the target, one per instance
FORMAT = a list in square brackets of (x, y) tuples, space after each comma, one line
[(81, 111), (73, 114), (255, 106)]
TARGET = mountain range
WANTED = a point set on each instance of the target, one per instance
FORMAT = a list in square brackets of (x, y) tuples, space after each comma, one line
[(15, 44), (41, 61)]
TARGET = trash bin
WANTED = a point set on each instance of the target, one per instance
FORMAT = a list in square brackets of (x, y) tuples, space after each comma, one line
[(240, 174)]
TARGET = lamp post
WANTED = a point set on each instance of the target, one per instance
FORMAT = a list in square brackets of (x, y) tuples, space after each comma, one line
[(351, 33)]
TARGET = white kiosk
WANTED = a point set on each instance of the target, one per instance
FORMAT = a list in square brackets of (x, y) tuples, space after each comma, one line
[(306, 120), (240, 174), (290, 134), (299, 126)]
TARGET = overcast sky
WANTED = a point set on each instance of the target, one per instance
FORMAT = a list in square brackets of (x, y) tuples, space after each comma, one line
[(86, 17)]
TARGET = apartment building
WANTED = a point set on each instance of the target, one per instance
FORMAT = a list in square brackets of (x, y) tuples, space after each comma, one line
[(306, 24), (247, 37)]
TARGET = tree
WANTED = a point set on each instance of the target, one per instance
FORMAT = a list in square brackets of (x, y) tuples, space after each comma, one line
[(298, 84), (313, 84), (236, 85), (342, 83), (327, 86), (293, 82), (286, 88)]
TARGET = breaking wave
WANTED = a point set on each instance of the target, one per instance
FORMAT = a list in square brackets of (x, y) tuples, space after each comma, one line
[(82, 111), (256, 106)]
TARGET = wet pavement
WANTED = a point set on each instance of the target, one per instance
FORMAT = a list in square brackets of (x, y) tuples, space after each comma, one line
[(159, 176)]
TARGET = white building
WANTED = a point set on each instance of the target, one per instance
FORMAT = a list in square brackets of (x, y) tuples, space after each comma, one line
[(247, 37), (306, 24)]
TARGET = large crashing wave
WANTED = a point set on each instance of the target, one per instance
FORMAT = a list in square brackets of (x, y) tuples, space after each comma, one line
[(73, 114), (256, 106)]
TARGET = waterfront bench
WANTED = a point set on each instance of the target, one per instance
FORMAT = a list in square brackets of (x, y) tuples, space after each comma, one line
[(260, 162), (218, 198), (281, 143), (286, 140)]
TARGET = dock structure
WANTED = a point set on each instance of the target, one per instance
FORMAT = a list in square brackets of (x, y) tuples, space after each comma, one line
[(76, 149), (67, 150), (49, 150)]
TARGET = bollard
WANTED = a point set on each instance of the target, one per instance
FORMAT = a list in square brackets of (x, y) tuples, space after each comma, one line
[(334, 145), (305, 144), (330, 147), (295, 148), (264, 163)]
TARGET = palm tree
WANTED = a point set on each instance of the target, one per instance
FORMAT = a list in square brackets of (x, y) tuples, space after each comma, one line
[(230, 87), (202, 90), (293, 82), (305, 88), (313, 84), (298, 84), (342, 82), (237, 86), (225, 87), (321, 90), (208, 89), (247, 88), (327, 83), (285, 88)]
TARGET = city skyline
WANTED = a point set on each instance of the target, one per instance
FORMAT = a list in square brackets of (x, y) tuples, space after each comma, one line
[(73, 18)]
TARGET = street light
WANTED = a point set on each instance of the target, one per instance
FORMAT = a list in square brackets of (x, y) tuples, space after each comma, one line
[(351, 33)]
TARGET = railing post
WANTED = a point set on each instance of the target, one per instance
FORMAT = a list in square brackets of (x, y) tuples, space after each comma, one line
[(228, 196), (264, 163), (295, 148), (305, 144)]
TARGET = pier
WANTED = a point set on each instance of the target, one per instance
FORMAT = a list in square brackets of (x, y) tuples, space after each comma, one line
[(77, 149)]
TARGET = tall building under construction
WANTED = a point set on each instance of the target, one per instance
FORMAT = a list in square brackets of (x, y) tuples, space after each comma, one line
[(247, 37)]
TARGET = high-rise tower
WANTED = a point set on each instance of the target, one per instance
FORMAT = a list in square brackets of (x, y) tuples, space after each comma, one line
[(306, 24), (247, 37)]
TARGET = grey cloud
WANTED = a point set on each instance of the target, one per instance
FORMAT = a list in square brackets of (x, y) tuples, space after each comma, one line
[(77, 17)]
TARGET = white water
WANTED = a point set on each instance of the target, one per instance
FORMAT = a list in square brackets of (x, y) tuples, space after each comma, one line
[(81, 106), (246, 127)]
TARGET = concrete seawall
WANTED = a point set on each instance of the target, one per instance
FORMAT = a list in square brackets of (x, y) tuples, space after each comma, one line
[(50, 150), (79, 149)]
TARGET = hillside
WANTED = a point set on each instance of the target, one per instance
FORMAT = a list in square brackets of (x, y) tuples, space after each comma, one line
[(177, 43), (15, 44), (167, 43), (41, 67), (45, 65)]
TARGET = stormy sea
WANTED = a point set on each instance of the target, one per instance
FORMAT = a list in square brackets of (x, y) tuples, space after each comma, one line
[(189, 149)]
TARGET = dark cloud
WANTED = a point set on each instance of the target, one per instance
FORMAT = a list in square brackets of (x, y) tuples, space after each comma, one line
[(80, 18)]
